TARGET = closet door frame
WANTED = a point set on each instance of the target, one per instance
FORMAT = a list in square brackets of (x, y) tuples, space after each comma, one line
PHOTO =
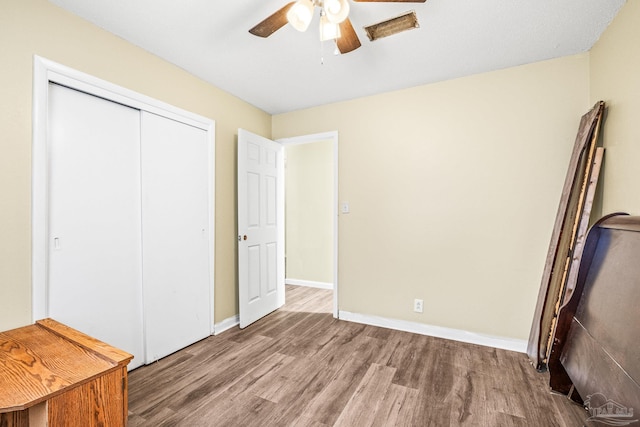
[(46, 71)]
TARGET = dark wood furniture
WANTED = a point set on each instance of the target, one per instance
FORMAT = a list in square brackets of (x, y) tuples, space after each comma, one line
[(596, 350), (567, 240), (52, 375)]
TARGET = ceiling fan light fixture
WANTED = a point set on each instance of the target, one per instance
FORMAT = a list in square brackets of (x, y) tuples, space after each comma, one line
[(328, 30), (336, 10), (300, 14)]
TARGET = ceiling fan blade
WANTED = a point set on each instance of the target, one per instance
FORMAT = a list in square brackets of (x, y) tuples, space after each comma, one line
[(273, 23), (390, 1), (348, 39)]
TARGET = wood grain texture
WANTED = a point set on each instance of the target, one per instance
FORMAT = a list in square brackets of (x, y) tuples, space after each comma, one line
[(36, 364), (581, 227), (599, 352), (348, 40), (93, 404), (559, 255), (15, 419), (272, 23), (64, 373), (559, 380), (301, 367), (93, 345), (575, 243)]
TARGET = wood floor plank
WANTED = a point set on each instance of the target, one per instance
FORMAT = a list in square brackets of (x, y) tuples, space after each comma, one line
[(304, 421), (161, 416), (230, 369), (366, 400), (250, 412), (197, 385), (396, 407), (262, 380), (304, 384), (307, 298), (330, 402), (301, 367)]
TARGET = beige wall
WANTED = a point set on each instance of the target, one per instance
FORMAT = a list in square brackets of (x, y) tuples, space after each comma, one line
[(615, 79), (453, 190), (29, 27), (309, 211)]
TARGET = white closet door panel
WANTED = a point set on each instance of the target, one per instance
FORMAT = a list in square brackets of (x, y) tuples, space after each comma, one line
[(175, 246), (94, 277)]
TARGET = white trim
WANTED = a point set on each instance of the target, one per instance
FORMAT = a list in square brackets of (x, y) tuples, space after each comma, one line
[(309, 283), (438, 331), (46, 71), (63, 75), (39, 193), (226, 324), (333, 136), (211, 133)]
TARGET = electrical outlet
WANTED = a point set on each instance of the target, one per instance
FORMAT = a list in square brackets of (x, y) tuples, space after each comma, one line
[(418, 305)]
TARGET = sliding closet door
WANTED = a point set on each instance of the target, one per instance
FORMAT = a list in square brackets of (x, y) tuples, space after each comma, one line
[(94, 253), (175, 243)]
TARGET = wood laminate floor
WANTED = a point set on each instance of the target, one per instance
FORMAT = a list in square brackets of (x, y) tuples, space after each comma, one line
[(301, 367)]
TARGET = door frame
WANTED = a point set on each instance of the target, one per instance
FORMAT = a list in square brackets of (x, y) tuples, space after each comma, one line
[(317, 137), (46, 71)]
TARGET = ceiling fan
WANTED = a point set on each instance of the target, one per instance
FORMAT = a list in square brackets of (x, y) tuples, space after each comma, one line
[(334, 21)]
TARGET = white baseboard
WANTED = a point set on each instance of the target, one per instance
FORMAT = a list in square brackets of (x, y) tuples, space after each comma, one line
[(437, 331), (309, 283), (226, 324)]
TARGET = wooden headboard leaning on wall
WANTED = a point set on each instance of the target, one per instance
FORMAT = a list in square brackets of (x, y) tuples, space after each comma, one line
[(595, 356)]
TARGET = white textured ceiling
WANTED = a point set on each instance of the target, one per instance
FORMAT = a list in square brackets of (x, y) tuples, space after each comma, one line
[(210, 39)]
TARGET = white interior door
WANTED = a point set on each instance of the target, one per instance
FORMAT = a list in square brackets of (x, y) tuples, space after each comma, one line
[(175, 235), (260, 226), (94, 249)]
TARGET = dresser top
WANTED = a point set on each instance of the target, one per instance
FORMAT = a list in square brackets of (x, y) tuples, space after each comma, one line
[(45, 359)]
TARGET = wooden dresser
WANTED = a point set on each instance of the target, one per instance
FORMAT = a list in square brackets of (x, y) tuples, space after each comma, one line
[(595, 351), (53, 375)]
